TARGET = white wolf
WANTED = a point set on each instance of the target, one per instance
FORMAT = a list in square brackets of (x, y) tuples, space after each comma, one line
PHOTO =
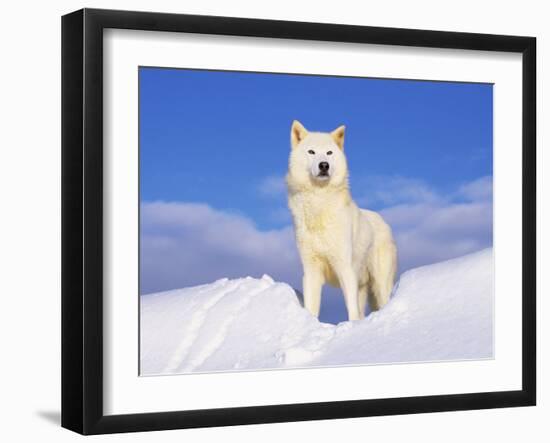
[(339, 243)]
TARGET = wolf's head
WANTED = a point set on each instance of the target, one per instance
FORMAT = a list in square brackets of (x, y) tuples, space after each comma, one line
[(316, 158)]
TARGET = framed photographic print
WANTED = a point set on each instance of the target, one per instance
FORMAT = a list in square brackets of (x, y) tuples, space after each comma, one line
[(269, 221)]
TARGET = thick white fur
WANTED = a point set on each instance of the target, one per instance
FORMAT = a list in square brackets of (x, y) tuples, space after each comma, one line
[(339, 243)]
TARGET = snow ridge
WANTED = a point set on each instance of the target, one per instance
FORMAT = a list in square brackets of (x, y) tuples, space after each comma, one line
[(438, 312)]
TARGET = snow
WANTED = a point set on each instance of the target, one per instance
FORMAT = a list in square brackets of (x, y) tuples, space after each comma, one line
[(438, 312)]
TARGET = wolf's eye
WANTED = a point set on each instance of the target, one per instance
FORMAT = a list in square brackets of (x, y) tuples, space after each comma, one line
[(329, 153), (311, 151)]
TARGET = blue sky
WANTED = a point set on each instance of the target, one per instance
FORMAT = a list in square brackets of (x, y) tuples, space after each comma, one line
[(216, 144)]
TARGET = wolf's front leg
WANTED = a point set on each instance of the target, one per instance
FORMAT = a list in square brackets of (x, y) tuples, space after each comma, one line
[(349, 285), (313, 285)]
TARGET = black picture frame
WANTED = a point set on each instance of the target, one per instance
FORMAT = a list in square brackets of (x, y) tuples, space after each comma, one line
[(82, 218)]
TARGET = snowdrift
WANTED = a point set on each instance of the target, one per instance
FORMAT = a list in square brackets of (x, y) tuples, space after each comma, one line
[(438, 312)]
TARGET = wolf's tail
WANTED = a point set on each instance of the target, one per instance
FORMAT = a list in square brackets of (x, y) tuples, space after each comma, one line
[(382, 269)]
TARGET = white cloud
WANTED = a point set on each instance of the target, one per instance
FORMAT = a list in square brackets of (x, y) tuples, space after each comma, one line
[(443, 227), (393, 190), (184, 244), (273, 186), (427, 233), (480, 189)]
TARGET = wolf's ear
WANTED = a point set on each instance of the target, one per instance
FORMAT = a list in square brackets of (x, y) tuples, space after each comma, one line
[(297, 133), (338, 136)]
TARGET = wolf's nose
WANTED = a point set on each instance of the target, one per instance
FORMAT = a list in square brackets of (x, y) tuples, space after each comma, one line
[(323, 166)]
